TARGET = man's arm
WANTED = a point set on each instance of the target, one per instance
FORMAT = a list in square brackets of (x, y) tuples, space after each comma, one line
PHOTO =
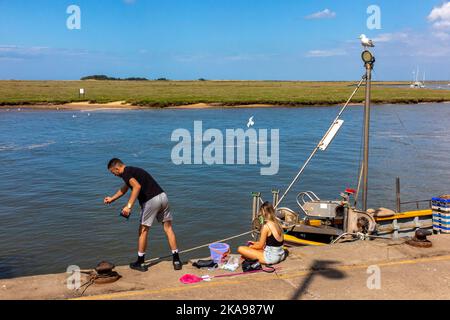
[(119, 194), (134, 195), (136, 187)]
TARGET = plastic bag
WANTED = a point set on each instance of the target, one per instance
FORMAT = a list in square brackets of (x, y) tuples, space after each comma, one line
[(232, 264)]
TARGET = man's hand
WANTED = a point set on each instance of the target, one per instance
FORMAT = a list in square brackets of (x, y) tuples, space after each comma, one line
[(108, 200), (126, 212), (119, 194)]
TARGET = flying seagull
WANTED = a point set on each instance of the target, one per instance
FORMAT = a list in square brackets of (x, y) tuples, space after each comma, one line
[(251, 122), (366, 42)]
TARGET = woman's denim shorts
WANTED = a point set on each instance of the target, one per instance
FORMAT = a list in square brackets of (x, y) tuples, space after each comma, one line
[(274, 255)]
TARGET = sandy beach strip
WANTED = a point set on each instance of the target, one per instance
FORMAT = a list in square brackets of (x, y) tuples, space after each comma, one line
[(79, 106), (222, 106), (123, 105)]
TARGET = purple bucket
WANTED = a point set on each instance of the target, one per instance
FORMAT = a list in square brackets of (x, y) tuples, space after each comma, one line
[(219, 251)]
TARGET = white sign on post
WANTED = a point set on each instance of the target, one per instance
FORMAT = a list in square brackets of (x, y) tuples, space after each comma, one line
[(331, 134), (82, 92)]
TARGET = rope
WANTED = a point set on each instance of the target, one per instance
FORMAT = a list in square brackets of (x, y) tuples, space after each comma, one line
[(359, 235), (415, 148), (411, 141), (89, 283), (94, 276), (200, 247)]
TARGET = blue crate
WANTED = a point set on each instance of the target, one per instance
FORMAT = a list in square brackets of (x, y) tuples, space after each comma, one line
[(440, 204), (441, 228), (441, 222)]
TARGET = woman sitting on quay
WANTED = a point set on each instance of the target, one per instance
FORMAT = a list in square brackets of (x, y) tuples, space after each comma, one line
[(269, 249)]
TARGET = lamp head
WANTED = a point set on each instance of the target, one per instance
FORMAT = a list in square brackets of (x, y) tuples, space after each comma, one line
[(368, 57)]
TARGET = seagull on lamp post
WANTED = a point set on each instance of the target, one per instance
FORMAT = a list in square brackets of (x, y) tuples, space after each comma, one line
[(366, 42)]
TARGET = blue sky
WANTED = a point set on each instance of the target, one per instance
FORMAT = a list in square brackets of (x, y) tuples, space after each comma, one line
[(213, 39)]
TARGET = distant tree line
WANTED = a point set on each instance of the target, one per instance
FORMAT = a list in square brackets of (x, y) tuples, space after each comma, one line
[(103, 78)]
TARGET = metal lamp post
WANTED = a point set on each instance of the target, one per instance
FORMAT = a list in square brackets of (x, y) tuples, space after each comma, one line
[(369, 61)]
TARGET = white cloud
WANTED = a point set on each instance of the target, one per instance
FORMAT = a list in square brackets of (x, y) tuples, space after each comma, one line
[(324, 14), (431, 44), (390, 37), (189, 58), (326, 53), (13, 52), (442, 25), (440, 16), (413, 44), (442, 36)]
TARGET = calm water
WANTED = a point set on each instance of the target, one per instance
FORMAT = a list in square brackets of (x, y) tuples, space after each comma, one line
[(434, 86), (53, 175), (438, 86)]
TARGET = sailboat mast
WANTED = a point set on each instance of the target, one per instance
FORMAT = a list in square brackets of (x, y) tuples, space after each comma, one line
[(369, 67)]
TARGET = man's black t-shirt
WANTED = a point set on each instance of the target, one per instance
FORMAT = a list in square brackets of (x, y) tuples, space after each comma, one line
[(149, 187)]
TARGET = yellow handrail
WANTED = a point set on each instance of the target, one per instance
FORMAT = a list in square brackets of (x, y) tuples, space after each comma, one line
[(296, 240), (409, 214)]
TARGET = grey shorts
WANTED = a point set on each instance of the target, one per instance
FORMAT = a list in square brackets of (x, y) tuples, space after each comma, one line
[(158, 208)]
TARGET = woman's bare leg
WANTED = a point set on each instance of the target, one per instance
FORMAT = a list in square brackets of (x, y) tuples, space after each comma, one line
[(252, 254)]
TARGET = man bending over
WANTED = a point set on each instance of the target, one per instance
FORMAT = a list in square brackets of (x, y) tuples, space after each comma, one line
[(154, 204)]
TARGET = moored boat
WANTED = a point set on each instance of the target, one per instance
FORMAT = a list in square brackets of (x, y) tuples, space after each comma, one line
[(320, 222)]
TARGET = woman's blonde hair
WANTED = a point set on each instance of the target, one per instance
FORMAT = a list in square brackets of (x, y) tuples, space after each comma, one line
[(267, 213)]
